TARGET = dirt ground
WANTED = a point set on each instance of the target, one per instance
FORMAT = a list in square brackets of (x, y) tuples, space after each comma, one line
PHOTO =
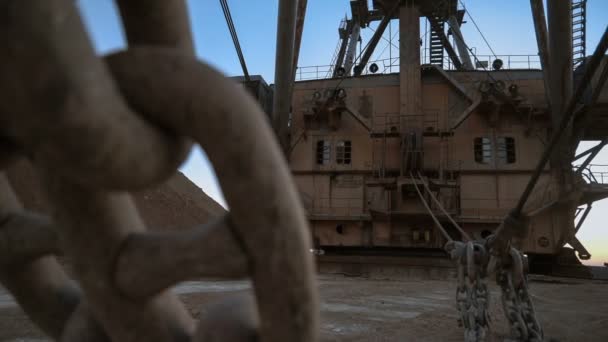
[(359, 309)]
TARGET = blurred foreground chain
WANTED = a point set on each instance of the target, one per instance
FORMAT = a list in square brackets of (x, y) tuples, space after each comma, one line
[(96, 129)]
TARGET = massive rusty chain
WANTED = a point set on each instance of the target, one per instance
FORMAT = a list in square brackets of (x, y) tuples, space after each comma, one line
[(95, 129)]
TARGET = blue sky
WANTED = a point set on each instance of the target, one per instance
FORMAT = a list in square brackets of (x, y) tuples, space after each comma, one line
[(507, 25)]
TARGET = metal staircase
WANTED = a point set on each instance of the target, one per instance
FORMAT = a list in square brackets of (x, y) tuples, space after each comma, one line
[(435, 42), (579, 30)]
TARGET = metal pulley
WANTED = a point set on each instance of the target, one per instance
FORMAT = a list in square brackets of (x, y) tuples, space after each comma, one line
[(373, 68), (497, 64)]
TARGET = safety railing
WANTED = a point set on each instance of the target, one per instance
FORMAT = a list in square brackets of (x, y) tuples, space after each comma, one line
[(594, 173), (391, 65)]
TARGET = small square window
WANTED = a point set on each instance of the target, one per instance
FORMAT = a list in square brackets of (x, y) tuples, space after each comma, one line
[(343, 152), (323, 152), (505, 150), (483, 150)]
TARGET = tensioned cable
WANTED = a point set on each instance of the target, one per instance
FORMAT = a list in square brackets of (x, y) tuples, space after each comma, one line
[(426, 205), (482, 36), (235, 38), (456, 225)]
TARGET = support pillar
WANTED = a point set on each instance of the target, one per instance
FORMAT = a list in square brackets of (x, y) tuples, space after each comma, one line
[(560, 57), (540, 27), (410, 87), (561, 78), (559, 13), (283, 75)]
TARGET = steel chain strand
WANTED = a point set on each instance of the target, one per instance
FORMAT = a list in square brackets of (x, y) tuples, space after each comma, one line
[(472, 296), (517, 304)]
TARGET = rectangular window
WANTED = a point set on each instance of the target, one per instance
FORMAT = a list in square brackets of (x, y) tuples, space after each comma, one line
[(343, 152), (483, 150), (505, 150), (323, 152)]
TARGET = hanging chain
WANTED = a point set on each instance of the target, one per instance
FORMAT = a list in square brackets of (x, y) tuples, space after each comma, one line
[(472, 297), (516, 301)]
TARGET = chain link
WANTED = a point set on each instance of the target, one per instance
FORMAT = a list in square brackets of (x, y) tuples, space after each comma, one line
[(472, 296), (97, 128), (516, 301)]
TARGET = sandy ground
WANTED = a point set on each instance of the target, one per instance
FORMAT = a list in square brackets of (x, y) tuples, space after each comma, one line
[(359, 309)]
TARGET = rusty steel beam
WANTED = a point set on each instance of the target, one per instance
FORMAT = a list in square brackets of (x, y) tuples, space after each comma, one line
[(540, 27), (283, 75), (341, 53), (351, 49), (565, 119), (410, 86), (301, 16), (373, 42), (512, 224), (461, 45), (560, 58), (582, 117)]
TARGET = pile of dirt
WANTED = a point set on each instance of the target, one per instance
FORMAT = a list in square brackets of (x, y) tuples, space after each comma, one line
[(176, 204)]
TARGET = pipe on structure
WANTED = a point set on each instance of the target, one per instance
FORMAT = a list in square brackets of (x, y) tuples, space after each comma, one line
[(283, 76), (540, 27), (465, 58), (373, 42)]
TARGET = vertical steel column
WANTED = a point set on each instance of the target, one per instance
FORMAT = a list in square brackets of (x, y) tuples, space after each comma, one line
[(463, 51), (540, 27), (410, 83), (560, 56), (283, 76), (561, 78), (301, 15)]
